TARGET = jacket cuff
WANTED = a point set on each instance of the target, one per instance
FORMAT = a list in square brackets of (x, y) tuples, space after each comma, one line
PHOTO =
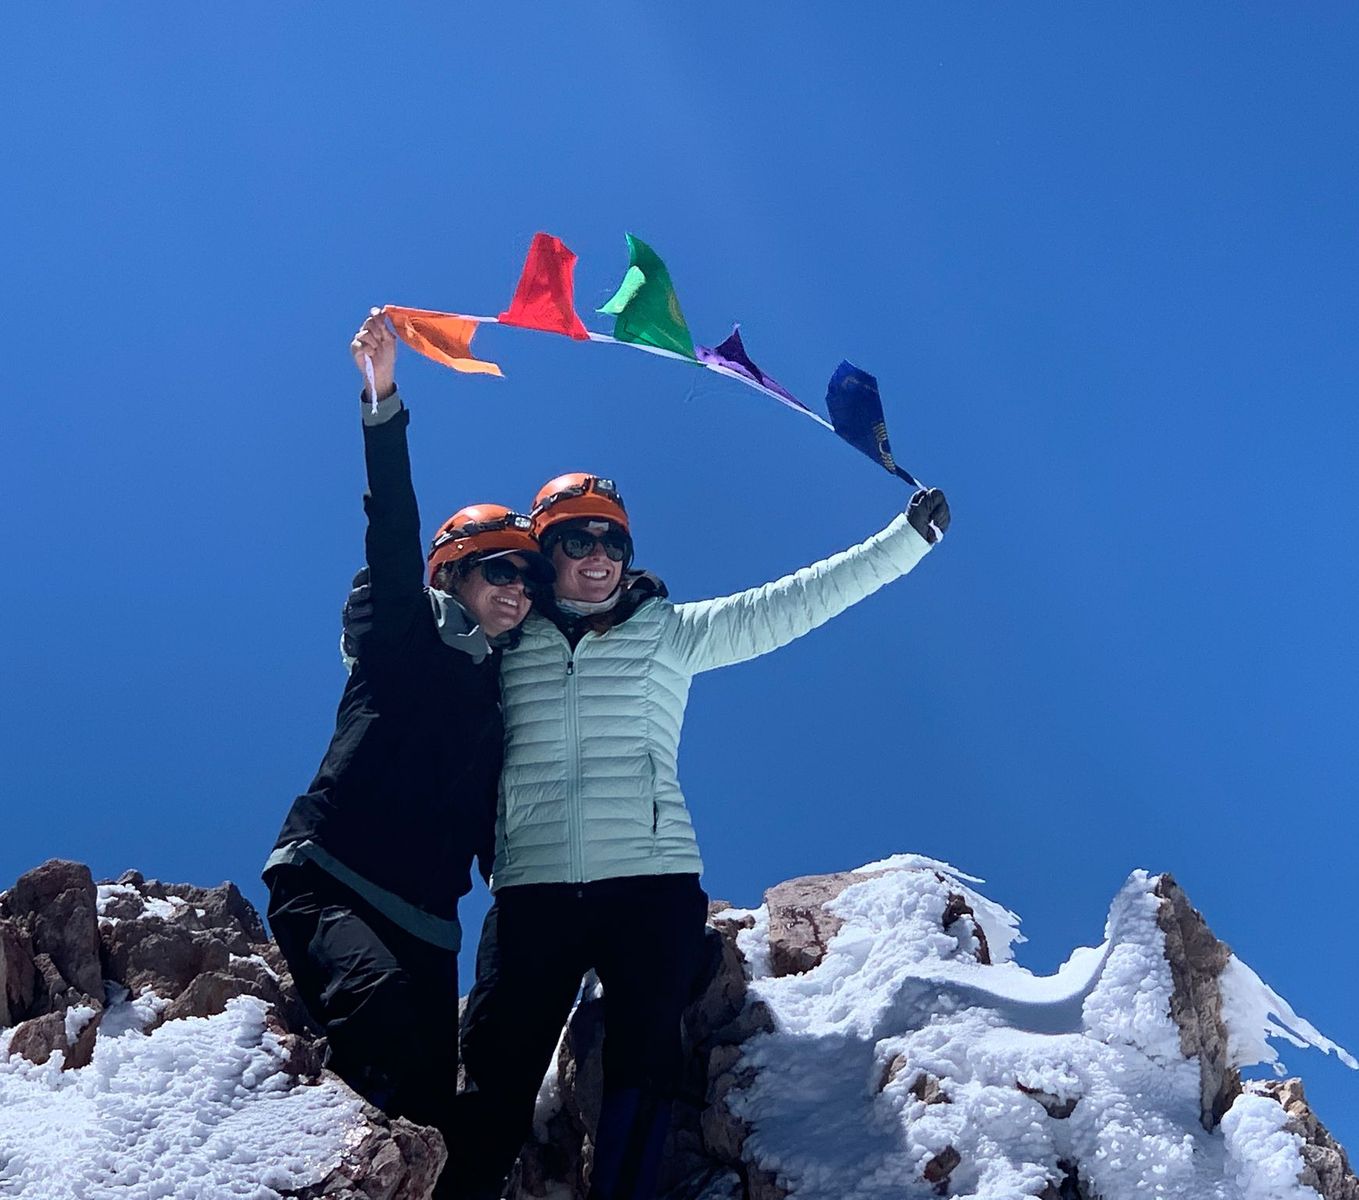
[(920, 544), (385, 411)]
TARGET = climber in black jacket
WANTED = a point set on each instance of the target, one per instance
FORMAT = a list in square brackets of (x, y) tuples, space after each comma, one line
[(365, 877)]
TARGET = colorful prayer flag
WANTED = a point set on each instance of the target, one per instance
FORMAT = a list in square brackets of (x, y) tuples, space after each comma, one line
[(732, 355), (444, 337), (856, 413), (544, 298), (645, 306)]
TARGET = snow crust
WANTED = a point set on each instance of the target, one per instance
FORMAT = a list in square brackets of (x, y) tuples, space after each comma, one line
[(1255, 1012), (1082, 1066), (200, 1109)]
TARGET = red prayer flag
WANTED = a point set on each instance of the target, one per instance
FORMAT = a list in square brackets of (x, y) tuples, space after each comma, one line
[(444, 337), (544, 298)]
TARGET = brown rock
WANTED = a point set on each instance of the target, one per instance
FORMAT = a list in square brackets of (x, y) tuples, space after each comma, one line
[(764, 1185), (17, 974), (724, 1133), (800, 928), (722, 996), (1054, 1106), (958, 909), (305, 1055), (580, 1065), (164, 955), (892, 1071), (924, 1087), (224, 909), (928, 1090), (51, 991), (1326, 1166), (36, 1040), (386, 1159), (55, 906), (1197, 960), (1067, 1187), (940, 1167), (208, 993)]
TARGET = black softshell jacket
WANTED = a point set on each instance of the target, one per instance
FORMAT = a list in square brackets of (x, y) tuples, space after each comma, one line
[(406, 794)]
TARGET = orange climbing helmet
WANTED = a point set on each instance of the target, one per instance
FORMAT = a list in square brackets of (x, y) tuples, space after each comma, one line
[(484, 530), (577, 496)]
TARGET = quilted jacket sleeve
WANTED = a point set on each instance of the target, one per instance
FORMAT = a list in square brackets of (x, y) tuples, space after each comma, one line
[(730, 629)]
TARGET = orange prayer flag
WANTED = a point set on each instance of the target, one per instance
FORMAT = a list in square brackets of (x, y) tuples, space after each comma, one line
[(444, 337)]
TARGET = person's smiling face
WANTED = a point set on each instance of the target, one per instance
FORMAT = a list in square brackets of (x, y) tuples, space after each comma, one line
[(594, 577), (496, 607)]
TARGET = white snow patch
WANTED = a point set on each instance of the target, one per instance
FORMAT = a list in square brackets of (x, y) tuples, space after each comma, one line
[(1263, 1156), (753, 943), (151, 907), (258, 960), (77, 1017), (124, 1013), (164, 909), (1000, 925), (199, 1110), (105, 892), (1254, 1012), (1130, 1003)]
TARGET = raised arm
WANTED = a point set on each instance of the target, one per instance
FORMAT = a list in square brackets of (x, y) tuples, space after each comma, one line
[(730, 629), (396, 561)]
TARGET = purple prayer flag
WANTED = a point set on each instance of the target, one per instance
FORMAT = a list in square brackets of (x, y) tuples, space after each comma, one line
[(732, 355)]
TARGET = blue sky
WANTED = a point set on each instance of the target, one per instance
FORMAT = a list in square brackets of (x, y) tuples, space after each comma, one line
[(1103, 263)]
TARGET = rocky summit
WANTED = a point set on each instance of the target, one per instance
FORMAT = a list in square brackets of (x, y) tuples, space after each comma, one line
[(860, 1034)]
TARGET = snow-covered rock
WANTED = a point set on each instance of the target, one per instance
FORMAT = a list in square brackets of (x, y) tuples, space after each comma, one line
[(151, 1045), (859, 1035), (868, 1034)]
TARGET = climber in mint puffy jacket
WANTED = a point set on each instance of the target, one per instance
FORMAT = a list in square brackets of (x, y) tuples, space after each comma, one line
[(589, 789), (596, 864)]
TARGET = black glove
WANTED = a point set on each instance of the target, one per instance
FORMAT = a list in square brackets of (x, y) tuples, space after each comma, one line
[(357, 615), (928, 508)]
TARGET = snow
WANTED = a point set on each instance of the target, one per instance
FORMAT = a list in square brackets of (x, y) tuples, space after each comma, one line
[(1262, 1155), (1254, 1013), (151, 906), (77, 1017), (198, 1110), (897, 1049), (259, 961), (124, 1012), (1084, 1065)]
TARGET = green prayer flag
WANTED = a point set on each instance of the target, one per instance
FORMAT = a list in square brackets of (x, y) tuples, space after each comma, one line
[(645, 307)]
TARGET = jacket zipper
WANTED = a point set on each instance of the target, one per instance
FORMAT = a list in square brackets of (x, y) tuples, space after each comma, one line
[(574, 817)]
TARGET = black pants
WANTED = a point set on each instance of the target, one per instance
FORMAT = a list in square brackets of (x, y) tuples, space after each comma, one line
[(386, 999), (643, 936)]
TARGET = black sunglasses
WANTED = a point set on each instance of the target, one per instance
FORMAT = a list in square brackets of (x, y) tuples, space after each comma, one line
[(499, 572), (579, 543)]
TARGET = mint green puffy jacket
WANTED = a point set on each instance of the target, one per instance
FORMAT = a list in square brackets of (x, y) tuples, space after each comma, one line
[(590, 789)]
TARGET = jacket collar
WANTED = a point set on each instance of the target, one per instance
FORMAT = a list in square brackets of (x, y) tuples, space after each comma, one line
[(459, 631), (636, 588)]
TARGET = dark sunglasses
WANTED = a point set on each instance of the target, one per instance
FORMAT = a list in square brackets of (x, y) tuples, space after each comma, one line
[(578, 543), (499, 572)]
